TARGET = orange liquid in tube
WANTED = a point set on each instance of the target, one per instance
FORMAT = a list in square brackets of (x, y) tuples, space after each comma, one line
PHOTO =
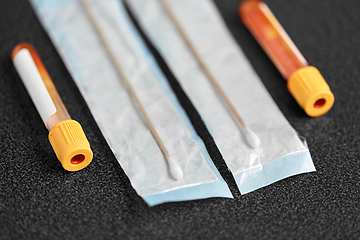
[(305, 82), (61, 112), (65, 135)]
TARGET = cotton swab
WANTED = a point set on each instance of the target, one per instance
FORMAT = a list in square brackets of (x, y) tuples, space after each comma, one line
[(251, 138), (175, 169)]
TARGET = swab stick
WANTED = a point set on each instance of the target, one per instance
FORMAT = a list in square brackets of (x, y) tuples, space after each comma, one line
[(175, 169), (252, 139)]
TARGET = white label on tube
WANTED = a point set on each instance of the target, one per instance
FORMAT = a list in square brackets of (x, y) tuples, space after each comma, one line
[(30, 76)]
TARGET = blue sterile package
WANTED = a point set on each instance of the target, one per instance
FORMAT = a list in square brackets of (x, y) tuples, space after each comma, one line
[(121, 124), (281, 153)]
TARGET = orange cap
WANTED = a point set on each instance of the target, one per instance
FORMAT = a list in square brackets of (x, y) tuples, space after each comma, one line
[(70, 145), (310, 90)]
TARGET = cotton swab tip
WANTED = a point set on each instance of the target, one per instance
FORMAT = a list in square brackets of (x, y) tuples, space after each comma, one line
[(251, 138), (175, 169)]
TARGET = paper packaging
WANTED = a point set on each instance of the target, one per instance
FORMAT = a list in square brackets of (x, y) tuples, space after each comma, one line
[(115, 112), (281, 154)]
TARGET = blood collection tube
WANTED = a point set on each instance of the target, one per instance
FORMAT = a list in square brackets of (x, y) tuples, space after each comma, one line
[(65, 135), (304, 82)]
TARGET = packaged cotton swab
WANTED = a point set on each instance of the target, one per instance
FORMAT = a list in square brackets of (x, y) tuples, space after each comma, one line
[(122, 123), (179, 27)]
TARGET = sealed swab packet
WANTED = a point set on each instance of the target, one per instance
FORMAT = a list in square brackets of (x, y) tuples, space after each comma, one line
[(281, 153), (113, 108)]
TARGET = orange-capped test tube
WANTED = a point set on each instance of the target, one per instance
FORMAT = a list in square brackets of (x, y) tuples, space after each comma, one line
[(65, 135), (304, 82)]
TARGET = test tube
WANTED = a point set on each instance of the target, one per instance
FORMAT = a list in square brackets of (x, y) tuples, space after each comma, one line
[(304, 82), (65, 135)]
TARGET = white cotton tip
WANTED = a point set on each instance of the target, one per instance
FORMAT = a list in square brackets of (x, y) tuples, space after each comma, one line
[(252, 139), (175, 169)]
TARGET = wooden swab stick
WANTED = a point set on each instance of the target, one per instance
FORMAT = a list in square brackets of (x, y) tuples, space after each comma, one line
[(175, 169), (250, 136)]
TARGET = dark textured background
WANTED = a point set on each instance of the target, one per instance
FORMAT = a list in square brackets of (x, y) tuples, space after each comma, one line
[(40, 200)]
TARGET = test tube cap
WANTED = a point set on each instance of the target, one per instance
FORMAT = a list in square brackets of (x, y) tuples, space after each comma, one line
[(70, 145), (310, 90)]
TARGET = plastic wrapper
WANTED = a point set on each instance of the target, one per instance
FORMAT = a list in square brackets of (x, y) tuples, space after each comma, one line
[(282, 153), (116, 114)]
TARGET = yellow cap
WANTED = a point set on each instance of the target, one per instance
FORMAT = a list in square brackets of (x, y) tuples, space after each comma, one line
[(310, 90), (70, 145)]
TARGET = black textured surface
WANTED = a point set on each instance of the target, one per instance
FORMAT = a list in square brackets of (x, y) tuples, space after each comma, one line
[(40, 200)]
